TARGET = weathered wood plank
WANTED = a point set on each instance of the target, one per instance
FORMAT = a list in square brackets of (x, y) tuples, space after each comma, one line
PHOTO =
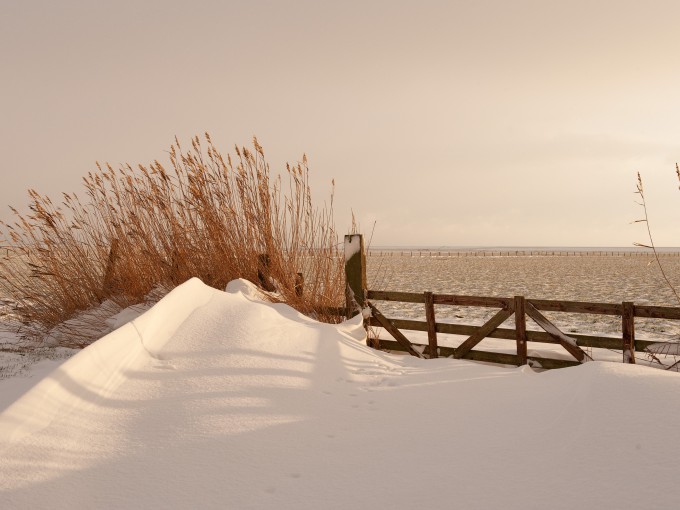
[(490, 302), (263, 262), (641, 345), (545, 305), (600, 342), (439, 299), (355, 273), (392, 330), (431, 325), (565, 341), (548, 305), (628, 328), (521, 329), (403, 297), (299, 284), (657, 312), (490, 357), (482, 332)]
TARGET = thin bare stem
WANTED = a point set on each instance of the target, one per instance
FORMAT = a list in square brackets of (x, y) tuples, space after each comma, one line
[(643, 203)]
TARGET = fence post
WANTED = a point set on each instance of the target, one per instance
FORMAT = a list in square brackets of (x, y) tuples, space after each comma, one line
[(263, 272), (355, 273), (174, 266), (521, 329), (299, 284), (628, 327), (431, 325)]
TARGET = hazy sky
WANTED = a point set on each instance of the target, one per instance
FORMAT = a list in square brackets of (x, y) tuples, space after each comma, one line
[(448, 123)]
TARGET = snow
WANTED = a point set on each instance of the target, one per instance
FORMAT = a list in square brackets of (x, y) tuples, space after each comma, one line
[(352, 246), (26, 373), (124, 316), (670, 348), (217, 399)]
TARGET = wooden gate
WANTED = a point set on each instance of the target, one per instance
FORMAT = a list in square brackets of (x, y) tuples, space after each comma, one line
[(360, 298)]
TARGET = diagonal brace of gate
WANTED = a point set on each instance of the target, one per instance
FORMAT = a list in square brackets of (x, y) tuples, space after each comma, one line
[(565, 341), (491, 325), (520, 307), (392, 330)]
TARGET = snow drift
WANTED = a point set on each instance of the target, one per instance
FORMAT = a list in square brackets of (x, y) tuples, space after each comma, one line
[(219, 400)]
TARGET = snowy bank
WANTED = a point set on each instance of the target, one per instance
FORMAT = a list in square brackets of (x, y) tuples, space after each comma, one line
[(219, 400)]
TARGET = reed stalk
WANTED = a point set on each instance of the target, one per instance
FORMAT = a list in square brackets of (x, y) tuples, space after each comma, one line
[(144, 228)]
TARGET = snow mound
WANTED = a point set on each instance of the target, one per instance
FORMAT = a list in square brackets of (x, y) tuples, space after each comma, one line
[(98, 370), (245, 288), (221, 400)]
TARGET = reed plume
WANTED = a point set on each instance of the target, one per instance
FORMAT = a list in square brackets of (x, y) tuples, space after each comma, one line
[(144, 228)]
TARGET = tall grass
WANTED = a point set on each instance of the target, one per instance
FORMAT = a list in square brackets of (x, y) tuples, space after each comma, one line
[(152, 227)]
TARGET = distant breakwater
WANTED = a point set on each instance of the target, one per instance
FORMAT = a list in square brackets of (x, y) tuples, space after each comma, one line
[(558, 252)]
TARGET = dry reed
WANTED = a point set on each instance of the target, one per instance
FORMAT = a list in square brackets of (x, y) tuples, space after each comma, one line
[(148, 228)]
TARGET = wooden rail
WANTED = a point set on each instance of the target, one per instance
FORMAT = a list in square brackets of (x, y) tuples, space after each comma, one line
[(627, 343), (545, 305), (519, 306), (491, 357), (597, 341)]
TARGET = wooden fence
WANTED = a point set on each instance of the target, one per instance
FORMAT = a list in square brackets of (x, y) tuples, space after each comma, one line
[(359, 297)]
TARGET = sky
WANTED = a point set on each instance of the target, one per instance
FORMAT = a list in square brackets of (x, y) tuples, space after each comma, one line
[(452, 123)]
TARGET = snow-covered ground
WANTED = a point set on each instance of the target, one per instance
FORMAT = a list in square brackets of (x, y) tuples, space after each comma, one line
[(219, 400)]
